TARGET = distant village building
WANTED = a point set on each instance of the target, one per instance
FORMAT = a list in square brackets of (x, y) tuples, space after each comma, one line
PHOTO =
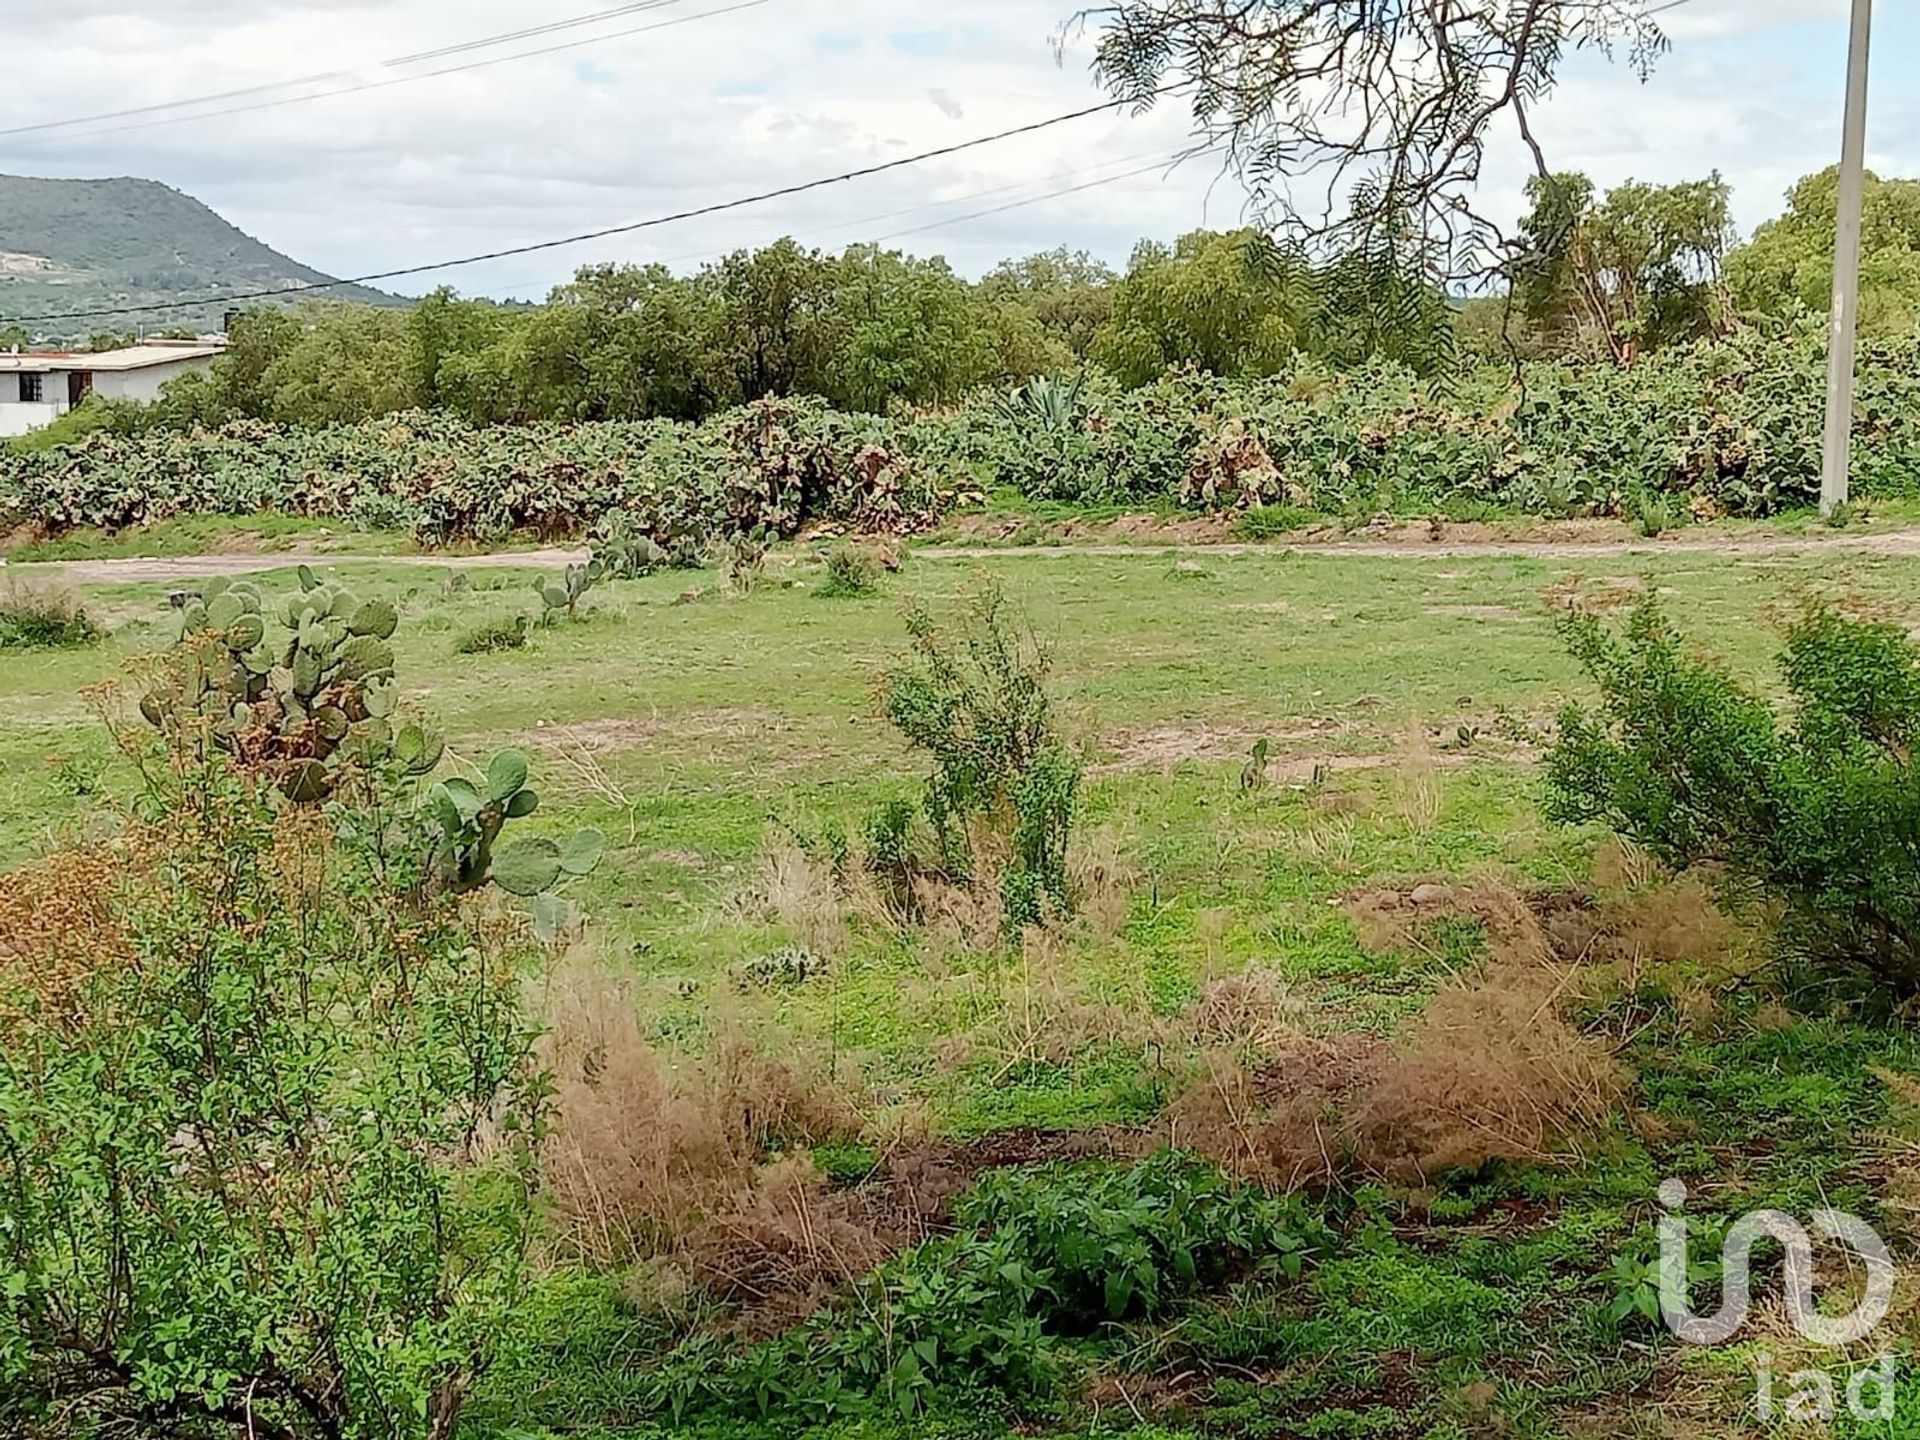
[(38, 387)]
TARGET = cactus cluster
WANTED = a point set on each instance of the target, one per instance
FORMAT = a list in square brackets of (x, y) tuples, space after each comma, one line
[(623, 551), (568, 591), (299, 708), (468, 851)]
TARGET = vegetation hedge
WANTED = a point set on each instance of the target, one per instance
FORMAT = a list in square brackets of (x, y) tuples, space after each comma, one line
[(1729, 427)]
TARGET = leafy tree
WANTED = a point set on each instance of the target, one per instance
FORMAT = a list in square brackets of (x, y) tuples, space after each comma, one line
[(1069, 292), (1634, 270), (622, 342), (442, 330), (347, 362), (236, 387), (1225, 303), (1789, 261), (774, 321), (911, 332)]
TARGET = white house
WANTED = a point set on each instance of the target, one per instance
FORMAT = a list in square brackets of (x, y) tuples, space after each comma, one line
[(39, 387)]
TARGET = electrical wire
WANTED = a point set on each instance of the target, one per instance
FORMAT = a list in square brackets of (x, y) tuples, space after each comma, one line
[(653, 222), (426, 74), (395, 62), (1161, 165)]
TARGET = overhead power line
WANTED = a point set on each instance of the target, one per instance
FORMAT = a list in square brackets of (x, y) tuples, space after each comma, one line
[(717, 207), (1161, 164), (421, 57), (427, 74)]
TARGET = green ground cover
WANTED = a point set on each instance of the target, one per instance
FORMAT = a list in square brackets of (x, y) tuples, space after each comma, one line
[(1405, 701)]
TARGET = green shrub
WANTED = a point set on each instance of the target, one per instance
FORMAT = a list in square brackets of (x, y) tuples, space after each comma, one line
[(37, 616), (977, 703), (500, 632), (971, 1321), (269, 1156), (851, 573), (1813, 813)]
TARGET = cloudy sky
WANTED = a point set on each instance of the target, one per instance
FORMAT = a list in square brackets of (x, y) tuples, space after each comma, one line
[(647, 117)]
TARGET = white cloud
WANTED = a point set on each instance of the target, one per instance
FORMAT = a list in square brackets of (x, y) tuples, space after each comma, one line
[(767, 96)]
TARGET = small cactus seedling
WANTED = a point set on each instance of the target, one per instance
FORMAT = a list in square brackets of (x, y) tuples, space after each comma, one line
[(469, 852), (1254, 776), (568, 591)]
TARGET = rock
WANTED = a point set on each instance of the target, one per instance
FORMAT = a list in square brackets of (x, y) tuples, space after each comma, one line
[(1429, 894)]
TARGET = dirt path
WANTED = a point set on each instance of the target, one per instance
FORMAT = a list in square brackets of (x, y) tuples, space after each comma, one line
[(149, 569), (198, 567), (1891, 542)]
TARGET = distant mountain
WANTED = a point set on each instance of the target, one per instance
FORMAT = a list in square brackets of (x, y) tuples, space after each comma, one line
[(88, 244)]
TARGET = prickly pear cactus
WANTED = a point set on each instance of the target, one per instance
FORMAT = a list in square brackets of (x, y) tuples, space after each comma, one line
[(566, 593), (300, 706), (469, 852)]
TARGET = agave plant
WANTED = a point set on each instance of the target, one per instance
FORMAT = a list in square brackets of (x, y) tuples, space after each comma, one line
[(1050, 404)]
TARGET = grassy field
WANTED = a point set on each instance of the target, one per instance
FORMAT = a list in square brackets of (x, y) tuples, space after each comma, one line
[(1405, 701)]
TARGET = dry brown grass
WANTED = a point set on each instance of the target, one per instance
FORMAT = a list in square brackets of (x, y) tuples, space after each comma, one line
[(1489, 1071), (1276, 1118), (1416, 794), (1254, 1010), (42, 614), (643, 1152), (799, 891)]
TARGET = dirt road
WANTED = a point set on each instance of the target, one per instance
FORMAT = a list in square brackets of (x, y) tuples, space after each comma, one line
[(1890, 542)]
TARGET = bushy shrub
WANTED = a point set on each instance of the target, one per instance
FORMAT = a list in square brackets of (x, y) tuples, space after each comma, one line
[(43, 616), (1813, 812), (851, 573), (1004, 786), (490, 636), (972, 1319), (268, 1164)]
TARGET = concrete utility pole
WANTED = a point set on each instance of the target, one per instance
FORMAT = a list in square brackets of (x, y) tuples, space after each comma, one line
[(1846, 270)]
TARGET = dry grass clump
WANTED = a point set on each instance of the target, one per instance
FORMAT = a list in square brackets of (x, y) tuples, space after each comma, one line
[(1276, 1119), (642, 1152), (1253, 1010), (43, 615), (1392, 919), (802, 894), (1489, 1071), (821, 903), (780, 1246)]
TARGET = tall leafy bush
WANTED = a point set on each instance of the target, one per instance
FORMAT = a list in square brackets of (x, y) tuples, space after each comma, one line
[(1815, 812)]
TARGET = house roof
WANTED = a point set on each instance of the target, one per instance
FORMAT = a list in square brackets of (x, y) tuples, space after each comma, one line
[(134, 357)]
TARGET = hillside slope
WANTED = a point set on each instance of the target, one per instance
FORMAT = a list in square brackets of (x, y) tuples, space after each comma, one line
[(83, 244)]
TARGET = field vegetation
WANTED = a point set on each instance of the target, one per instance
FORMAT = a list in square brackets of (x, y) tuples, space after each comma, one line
[(863, 994)]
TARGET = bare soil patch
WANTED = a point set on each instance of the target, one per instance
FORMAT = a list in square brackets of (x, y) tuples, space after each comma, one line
[(617, 733)]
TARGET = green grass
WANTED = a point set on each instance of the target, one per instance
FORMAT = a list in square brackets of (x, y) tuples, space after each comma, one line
[(691, 732), (199, 534)]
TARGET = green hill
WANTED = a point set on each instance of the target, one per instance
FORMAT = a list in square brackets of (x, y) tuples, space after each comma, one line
[(86, 244)]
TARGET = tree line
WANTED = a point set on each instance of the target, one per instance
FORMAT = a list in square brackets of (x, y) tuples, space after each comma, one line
[(1599, 276)]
